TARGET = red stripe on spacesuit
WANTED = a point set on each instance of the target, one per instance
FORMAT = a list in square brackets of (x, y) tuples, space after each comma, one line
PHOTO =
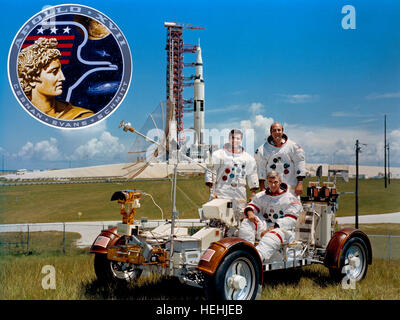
[(290, 216), (255, 224), (254, 206), (276, 233)]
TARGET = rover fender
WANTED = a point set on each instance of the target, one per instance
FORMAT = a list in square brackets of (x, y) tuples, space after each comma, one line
[(338, 241), (104, 240), (212, 257)]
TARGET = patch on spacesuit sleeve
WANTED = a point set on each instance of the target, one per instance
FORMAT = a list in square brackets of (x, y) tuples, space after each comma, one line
[(295, 201)]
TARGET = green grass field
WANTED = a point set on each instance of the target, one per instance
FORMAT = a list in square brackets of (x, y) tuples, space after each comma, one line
[(63, 202), (21, 279), (21, 276), (20, 270)]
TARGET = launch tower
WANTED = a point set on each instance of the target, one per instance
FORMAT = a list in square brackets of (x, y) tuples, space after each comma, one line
[(176, 81)]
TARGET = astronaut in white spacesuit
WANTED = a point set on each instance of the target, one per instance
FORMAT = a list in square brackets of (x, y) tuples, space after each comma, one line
[(271, 217), (230, 169), (281, 154)]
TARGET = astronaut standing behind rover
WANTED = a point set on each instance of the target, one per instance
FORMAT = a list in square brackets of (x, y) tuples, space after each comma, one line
[(281, 154), (271, 217), (230, 169)]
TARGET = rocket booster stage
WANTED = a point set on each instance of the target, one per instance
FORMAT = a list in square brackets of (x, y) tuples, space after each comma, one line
[(198, 103)]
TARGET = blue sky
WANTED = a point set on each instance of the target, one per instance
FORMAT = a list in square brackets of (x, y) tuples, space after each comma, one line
[(264, 61)]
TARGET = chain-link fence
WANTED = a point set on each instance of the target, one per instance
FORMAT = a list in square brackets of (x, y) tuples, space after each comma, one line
[(47, 237), (64, 238), (385, 246)]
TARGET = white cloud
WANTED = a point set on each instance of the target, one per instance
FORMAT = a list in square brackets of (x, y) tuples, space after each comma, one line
[(342, 114), (337, 145), (299, 98), (85, 133), (46, 150), (4, 152), (256, 107), (26, 151), (106, 147), (321, 144), (389, 95), (226, 109)]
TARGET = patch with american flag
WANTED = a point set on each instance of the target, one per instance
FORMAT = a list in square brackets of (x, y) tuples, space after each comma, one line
[(80, 58), (65, 41), (207, 255), (102, 241)]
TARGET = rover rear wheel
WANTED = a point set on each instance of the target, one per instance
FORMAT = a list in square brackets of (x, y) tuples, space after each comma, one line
[(353, 261)]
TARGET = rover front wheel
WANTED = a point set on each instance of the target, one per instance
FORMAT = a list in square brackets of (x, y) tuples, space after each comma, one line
[(236, 278), (108, 271)]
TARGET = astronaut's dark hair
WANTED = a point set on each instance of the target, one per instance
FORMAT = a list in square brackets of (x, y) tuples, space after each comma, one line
[(235, 131)]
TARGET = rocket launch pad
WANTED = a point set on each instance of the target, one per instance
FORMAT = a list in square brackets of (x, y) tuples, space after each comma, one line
[(175, 85)]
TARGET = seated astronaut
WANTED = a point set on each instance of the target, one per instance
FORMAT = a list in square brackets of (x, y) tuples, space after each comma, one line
[(271, 217)]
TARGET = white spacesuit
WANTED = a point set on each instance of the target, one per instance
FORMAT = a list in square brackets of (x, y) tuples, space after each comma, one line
[(229, 172), (288, 160), (272, 210)]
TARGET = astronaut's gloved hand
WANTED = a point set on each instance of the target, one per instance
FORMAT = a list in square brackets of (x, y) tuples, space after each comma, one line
[(252, 217), (266, 231), (299, 188)]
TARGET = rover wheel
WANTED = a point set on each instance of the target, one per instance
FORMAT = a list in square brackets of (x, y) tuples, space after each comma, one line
[(236, 278), (108, 271), (353, 261)]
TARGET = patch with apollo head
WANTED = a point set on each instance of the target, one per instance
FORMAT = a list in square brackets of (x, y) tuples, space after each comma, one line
[(70, 66)]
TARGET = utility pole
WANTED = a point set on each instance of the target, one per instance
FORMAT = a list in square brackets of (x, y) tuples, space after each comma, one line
[(385, 151), (358, 150), (388, 159), (356, 213)]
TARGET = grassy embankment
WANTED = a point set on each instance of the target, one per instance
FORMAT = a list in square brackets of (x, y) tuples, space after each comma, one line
[(62, 202)]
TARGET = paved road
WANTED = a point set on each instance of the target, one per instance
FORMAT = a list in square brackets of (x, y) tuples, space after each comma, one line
[(89, 230), (372, 218)]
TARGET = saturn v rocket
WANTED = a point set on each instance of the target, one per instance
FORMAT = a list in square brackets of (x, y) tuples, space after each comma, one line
[(198, 101)]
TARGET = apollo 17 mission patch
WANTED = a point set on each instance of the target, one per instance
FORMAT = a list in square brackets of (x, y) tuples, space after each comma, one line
[(70, 66)]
